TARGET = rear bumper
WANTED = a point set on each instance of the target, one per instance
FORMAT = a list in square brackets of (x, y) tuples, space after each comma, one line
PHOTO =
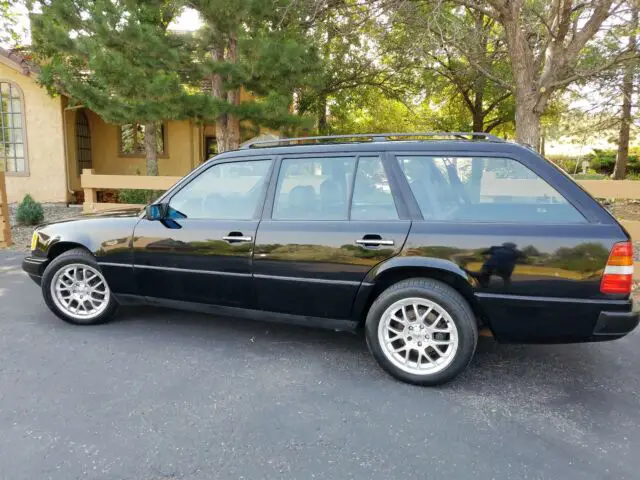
[(611, 325), (519, 319), (34, 267)]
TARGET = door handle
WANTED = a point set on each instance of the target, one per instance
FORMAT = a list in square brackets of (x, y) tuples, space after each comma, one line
[(236, 237), (373, 242)]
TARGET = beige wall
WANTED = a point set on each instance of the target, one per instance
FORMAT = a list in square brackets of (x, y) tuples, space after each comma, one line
[(181, 156), (45, 180)]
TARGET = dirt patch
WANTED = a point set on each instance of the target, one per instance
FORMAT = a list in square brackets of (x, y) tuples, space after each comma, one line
[(626, 209)]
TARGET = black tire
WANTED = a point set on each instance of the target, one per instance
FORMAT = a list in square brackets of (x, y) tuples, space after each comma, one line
[(447, 298), (80, 256)]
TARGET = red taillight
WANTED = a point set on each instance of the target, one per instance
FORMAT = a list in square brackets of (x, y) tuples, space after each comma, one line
[(618, 274)]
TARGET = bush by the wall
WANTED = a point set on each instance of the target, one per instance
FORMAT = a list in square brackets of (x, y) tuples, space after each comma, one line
[(29, 212), (143, 197)]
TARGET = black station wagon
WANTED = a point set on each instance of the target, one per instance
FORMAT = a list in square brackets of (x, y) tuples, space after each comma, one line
[(422, 239)]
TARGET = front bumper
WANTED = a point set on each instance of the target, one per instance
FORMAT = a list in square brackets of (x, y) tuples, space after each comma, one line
[(612, 325), (34, 266)]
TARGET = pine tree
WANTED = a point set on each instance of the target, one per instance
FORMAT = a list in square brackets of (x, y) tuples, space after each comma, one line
[(117, 59), (258, 46)]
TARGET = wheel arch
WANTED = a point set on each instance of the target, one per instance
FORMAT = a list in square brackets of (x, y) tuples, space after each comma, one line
[(402, 268), (58, 248)]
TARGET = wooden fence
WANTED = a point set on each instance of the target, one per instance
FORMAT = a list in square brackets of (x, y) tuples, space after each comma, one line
[(91, 182), (5, 227)]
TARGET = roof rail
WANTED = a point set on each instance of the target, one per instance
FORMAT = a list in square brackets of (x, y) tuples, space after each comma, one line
[(375, 137)]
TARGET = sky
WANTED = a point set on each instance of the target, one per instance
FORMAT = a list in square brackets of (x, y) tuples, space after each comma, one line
[(189, 20)]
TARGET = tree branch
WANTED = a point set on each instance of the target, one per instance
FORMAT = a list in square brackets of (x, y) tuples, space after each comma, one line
[(621, 57), (590, 28), (495, 103), (478, 8)]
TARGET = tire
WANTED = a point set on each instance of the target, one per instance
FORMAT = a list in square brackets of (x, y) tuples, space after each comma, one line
[(438, 331), (79, 265)]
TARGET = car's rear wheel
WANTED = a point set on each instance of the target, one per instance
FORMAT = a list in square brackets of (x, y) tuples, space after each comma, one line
[(76, 291), (422, 331)]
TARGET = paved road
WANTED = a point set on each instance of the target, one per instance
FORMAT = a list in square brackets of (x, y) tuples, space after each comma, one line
[(168, 395)]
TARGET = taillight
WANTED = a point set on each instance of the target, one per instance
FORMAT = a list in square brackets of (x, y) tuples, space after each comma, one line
[(618, 274)]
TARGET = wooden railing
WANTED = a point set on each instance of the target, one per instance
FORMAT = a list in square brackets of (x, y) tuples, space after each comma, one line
[(5, 227), (91, 182), (612, 188)]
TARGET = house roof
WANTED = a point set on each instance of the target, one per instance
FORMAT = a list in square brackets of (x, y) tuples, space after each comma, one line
[(18, 61)]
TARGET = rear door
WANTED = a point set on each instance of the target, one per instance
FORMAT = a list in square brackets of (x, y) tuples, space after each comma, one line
[(329, 220)]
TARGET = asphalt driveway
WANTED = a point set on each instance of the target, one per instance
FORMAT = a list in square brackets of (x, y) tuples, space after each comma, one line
[(171, 395)]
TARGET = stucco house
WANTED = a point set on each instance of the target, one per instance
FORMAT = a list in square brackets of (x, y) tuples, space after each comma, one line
[(45, 143)]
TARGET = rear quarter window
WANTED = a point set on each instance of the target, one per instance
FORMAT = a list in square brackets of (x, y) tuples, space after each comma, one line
[(484, 189)]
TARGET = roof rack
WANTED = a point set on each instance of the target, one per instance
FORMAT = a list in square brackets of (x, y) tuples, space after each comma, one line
[(375, 137)]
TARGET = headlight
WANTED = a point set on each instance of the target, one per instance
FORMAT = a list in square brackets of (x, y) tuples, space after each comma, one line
[(34, 240)]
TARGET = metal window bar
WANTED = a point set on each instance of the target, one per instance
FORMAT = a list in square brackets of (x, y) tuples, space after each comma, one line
[(374, 137), (83, 141), (11, 130)]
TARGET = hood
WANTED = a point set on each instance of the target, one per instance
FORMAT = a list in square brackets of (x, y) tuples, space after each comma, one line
[(115, 213)]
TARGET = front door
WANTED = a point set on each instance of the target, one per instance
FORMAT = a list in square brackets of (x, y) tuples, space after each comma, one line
[(326, 230), (202, 251)]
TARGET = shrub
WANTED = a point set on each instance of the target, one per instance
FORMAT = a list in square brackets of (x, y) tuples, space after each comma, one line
[(589, 176), (143, 197), (568, 163), (603, 161), (29, 212)]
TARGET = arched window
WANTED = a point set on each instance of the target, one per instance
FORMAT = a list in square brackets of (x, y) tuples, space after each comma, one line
[(83, 141), (13, 148)]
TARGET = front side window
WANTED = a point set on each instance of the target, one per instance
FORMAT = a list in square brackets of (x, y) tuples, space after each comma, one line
[(132, 139), (476, 189), (314, 188), (226, 191), (12, 135)]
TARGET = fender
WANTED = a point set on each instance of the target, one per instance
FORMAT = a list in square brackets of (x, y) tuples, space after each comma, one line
[(399, 268), (416, 262), (107, 236)]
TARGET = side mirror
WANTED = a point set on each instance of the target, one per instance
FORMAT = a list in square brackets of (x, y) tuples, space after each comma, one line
[(156, 211)]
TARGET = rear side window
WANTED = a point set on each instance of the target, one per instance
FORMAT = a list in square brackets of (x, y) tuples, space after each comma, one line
[(476, 189)]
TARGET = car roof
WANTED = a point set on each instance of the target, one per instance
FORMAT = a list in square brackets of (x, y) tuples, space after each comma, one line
[(441, 147)]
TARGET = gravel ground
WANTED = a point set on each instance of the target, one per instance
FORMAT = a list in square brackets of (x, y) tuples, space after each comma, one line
[(21, 234)]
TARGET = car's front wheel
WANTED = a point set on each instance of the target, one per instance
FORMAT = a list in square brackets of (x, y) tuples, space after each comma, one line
[(421, 331), (75, 289)]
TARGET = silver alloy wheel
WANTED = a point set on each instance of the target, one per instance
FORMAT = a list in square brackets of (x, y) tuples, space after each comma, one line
[(80, 291), (418, 336)]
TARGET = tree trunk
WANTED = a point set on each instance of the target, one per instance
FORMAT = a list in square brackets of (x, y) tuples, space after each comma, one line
[(526, 95), (478, 121), (233, 97), (323, 124), (151, 148), (217, 55), (527, 121), (622, 158)]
